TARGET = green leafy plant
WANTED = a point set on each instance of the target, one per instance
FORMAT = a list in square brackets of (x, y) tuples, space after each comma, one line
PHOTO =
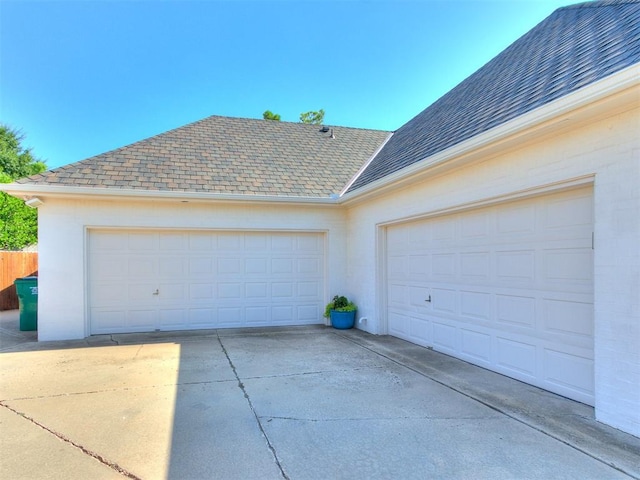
[(339, 304), (18, 222), (312, 117)]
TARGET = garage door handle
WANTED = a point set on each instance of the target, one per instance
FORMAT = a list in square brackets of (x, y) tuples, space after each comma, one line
[(428, 299), (157, 292)]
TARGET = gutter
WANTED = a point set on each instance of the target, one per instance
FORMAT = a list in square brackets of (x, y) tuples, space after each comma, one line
[(30, 191), (512, 130)]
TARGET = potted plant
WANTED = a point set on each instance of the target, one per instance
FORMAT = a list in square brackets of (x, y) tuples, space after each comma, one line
[(342, 312)]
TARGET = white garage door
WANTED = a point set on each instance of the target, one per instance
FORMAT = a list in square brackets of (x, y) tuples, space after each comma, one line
[(168, 280), (509, 288)]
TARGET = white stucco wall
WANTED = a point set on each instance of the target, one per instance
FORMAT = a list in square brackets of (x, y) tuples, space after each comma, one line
[(606, 153), (62, 238)]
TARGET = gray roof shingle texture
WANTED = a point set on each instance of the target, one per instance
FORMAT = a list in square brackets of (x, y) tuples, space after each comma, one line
[(573, 47), (225, 155)]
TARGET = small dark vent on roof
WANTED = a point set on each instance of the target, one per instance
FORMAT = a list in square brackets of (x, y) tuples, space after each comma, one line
[(324, 129)]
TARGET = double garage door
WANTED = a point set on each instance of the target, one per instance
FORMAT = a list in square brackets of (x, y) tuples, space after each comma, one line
[(142, 281), (507, 287)]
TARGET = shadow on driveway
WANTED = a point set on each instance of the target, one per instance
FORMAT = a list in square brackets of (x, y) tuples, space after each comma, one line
[(298, 403)]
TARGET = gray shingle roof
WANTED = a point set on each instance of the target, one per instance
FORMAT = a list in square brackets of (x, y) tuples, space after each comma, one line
[(229, 156), (575, 46)]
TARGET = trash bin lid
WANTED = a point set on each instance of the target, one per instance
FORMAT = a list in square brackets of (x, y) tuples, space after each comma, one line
[(26, 279)]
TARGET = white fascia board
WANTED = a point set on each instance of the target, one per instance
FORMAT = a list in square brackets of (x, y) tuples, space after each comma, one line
[(32, 190), (608, 86)]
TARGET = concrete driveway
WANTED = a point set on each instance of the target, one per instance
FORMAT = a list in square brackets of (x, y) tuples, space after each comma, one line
[(293, 403)]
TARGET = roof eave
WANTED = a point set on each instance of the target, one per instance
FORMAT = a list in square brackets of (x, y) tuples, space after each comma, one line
[(533, 124), (26, 191)]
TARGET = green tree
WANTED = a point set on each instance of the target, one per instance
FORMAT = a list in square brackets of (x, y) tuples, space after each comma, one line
[(315, 118), (269, 115), (18, 223)]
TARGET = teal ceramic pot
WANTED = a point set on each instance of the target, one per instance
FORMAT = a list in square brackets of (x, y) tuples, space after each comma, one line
[(343, 320)]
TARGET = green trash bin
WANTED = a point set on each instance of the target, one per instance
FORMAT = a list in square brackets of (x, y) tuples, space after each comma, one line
[(27, 289)]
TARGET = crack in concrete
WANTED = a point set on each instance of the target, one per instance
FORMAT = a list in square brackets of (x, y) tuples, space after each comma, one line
[(138, 351), (86, 451), (316, 372), (253, 410)]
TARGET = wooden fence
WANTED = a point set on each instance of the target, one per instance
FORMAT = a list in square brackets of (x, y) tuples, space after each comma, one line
[(14, 265)]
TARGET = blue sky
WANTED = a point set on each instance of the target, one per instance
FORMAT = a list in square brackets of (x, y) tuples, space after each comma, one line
[(79, 78)]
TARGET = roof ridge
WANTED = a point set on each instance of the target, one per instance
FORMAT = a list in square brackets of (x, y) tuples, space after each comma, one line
[(288, 122)]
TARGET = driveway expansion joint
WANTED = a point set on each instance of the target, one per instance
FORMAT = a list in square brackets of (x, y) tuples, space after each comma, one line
[(86, 451)]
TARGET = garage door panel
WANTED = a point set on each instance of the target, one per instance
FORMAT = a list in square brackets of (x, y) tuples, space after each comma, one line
[(142, 318), (517, 358), (420, 329), (282, 266), (308, 314), (173, 318), (172, 266), (111, 266), (475, 265), (444, 301), (568, 317), (142, 266), (202, 242), (308, 266), (561, 213), (516, 310), (476, 226), (201, 267), (231, 290), (109, 293), (445, 337), (108, 320), (282, 290), (202, 317), (309, 289), (184, 280), (308, 244), (516, 266), (230, 266), (282, 314), (476, 305), (256, 290), (256, 266), (443, 266), (569, 265), (398, 267), (172, 292), (516, 219), (568, 372), (227, 241), (201, 291), (399, 325), (476, 344), (141, 292), (142, 241), (176, 242), (508, 284)]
